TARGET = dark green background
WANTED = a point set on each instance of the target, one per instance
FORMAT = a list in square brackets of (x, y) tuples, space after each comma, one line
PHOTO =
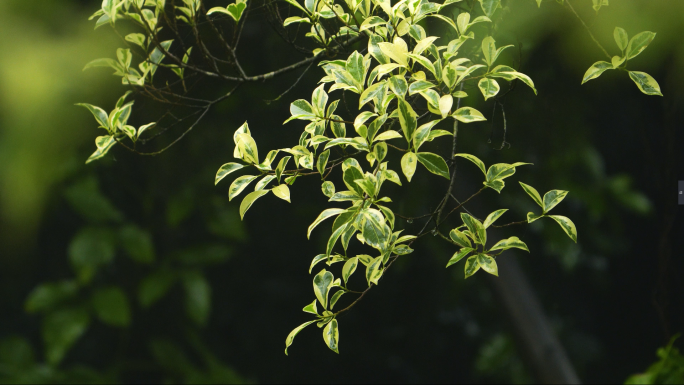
[(613, 298)]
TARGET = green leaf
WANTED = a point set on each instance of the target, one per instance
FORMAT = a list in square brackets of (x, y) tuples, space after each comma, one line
[(616, 61), (311, 308), (475, 227), (61, 329), (322, 283), (646, 83), (227, 169), (468, 115), (103, 144), (293, 333), (459, 255), (356, 69), (471, 266), (419, 86), (532, 192), (490, 6), (422, 133), (373, 229), (104, 62), (475, 160), (508, 73), (488, 264), (86, 199), (319, 100), (137, 243), (374, 270), (281, 167), (387, 135), (349, 268), (512, 242), (90, 249), (249, 200), (398, 85), (239, 184), (153, 287), (408, 165), (375, 92), (567, 226), (367, 185), (459, 238), (301, 109), (197, 297), (49, 295), (407, 119), (335, 298), (596, 70), (331, 336), (488, 87), (328, 188), (282, 192), (553, 198), (323, 216), (248, 148), (531, 217), (491, 218), (445, 103), (397, 51), (638, 44), (371, 22), (621, 38), (434, 163), (111, 306)]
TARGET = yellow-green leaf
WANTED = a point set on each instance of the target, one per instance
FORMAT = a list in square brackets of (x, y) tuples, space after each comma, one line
[(646, 83), (459, 255), (249, 200), (408, 165), (567, 226), (331, 336), (488, 264), (596, 70), (282, 192), (293, 334)]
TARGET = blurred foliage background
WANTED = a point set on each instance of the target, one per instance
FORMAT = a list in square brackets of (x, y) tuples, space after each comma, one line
[(138, 269)]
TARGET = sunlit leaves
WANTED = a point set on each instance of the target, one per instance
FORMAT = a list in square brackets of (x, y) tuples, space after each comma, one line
[(227, 169), (323, 216), (512, 242), (407, 119), (490, 6), (239, 184), (349, 268), (491, 218), (475, 227), (293, 334), (596, 70), (488, 87), (553, 198), (468, 115), (459, 255), (433, 163), (408, 165), (282, 192), (508, 73), (249, 200), (471, 266), (328, 189), (488, 264), (645, 82), (567, 226), (475, 160), (532, 192), (638, 43), (621, 38), (322, 283), (331, 336), (459, 238)]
